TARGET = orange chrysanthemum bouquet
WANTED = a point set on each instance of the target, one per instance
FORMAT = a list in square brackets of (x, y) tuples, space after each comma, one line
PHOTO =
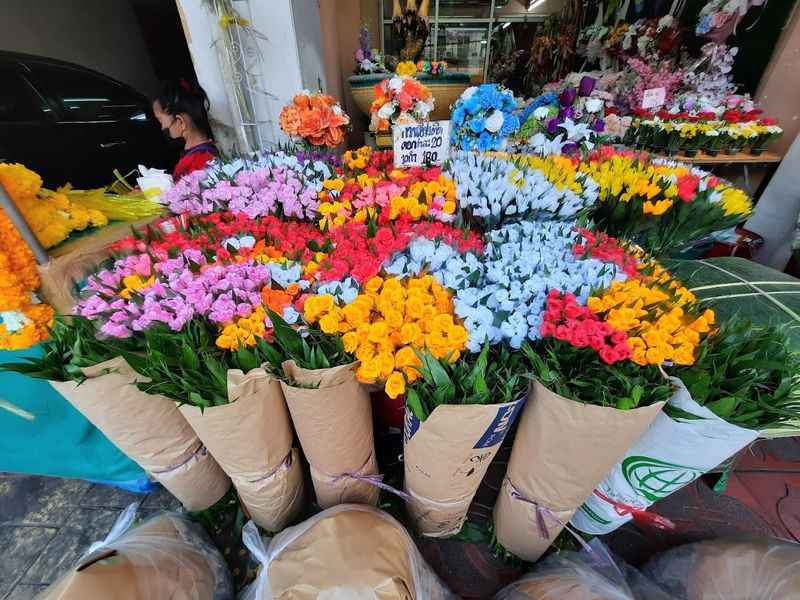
[(315, 118)]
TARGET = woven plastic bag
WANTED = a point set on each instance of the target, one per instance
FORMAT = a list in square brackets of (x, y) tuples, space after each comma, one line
[(767, 569), (348, 552), (167, 556), (585, 575)]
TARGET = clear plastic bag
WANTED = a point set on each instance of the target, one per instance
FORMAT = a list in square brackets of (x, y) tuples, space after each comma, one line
[(348, 552), (767, 569), (167, 556), (594, 575)]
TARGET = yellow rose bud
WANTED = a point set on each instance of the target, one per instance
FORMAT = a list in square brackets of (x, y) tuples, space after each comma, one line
[(395, 385)]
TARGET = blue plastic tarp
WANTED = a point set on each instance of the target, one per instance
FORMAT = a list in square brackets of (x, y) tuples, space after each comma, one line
[(58, 441)]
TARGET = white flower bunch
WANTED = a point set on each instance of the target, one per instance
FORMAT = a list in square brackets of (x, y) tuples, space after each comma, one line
[(450, 268), (497, 191), (521, 264), (344, 291)]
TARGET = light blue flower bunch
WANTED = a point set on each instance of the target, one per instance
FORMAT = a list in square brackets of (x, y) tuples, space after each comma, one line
[(344, 291), (483, 118), (521, 263), (496, 191), (450, 268)]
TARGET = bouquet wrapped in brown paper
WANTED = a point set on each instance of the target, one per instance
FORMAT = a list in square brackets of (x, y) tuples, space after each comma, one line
[(333, 417), (94, 377), (239, 414), (457, 415), (567, 442), (729, 570), (331, 412), (251, 438), (167, 556), (150, 430), (349, 551)]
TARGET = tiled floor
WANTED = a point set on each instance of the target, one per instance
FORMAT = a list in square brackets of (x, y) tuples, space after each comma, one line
[(47, 523)]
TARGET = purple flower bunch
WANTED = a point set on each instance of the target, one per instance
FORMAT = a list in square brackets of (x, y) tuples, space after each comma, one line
[(136, 292), (268, 190)]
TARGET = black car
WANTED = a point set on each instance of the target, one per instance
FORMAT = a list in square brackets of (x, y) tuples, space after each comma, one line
[(72, 124)]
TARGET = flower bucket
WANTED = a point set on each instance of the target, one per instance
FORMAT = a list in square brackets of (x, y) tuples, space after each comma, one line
[(562, 449), (446, 457), (251, 439), (333, 419), (149, 429), (671, 454)]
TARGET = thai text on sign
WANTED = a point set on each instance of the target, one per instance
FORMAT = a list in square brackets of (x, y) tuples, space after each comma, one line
[(421, 144)]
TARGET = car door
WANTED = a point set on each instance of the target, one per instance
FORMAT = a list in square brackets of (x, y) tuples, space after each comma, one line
[(101, 125), (27, 125)]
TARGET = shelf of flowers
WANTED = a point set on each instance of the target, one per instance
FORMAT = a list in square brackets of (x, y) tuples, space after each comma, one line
[(499, 287)]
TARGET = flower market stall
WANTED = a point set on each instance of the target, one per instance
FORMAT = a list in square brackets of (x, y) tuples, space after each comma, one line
[(521, 292)]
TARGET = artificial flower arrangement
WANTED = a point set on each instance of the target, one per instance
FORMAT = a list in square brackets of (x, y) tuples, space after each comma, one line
[(718, 18), (484, 118), (661, 205), (611, 46), (400, 100), (368, 59), (316, 119), (50, 215), (562, 124), (436, 285), (432, 67), (730, 132)]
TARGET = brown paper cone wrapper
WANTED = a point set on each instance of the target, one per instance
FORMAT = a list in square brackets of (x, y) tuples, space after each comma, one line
[(159, 559), (251, 439), (149, 429), (446, 458), (334, 423), (563, 449), (339, 490)]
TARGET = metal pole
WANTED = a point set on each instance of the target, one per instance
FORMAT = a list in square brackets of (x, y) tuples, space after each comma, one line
[(489, 43), (22, 226), (436, 32)]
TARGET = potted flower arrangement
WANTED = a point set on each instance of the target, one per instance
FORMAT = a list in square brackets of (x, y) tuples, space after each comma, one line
[(399, 100), (484, 118)]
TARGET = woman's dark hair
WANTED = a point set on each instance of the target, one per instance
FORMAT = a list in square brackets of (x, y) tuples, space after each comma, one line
[(182, 96)]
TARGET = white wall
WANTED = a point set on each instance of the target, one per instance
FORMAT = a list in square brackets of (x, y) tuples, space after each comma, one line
[(103, 35)]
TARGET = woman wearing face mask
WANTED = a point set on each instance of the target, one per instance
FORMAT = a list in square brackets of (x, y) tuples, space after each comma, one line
[(182, 111)]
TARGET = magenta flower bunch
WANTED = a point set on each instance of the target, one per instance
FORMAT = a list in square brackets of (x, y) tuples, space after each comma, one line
[(136, 293)]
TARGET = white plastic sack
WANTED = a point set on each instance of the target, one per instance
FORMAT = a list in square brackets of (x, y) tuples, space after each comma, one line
[(347, 552), (167, 556), (729, 570), (582, 575), (671, 454), (153, 183)]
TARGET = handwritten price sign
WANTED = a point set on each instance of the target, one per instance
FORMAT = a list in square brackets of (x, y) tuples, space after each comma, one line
[(654, 97), (421, 144)]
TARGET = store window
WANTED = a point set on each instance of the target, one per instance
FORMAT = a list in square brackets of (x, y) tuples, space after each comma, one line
[(465, 33)]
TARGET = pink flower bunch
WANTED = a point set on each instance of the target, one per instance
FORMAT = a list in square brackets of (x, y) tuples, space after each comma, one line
[(568, 321)]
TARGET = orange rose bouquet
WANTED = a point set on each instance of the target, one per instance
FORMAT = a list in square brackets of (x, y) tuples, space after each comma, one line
[(316, 118), (400, 99)]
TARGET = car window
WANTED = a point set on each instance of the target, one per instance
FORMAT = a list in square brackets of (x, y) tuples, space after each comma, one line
[(83, 96), (18, 102)]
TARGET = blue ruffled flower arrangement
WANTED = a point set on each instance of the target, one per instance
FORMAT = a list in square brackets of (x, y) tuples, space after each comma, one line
[(484, 118)]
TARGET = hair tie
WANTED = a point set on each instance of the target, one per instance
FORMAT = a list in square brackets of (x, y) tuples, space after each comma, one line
[(187, 87)]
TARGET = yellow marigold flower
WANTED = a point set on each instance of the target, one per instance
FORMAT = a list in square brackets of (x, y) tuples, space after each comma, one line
[(386, 359), (329, 323), (378, 331), (373, 285), (442, 323), (365, 351), (395, 385), (684, 354), (369, 370), (350, 342)]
